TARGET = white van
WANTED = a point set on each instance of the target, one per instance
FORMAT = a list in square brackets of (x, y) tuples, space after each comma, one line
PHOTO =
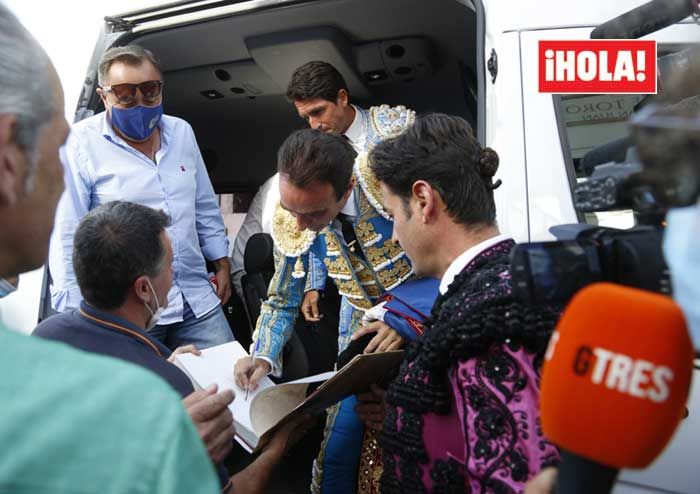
[(226, 64)]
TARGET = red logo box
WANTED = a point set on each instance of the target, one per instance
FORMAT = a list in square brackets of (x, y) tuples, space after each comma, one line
[(597, 66)]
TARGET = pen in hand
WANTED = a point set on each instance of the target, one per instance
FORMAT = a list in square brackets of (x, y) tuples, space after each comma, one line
[(249, 373), (251, 370)]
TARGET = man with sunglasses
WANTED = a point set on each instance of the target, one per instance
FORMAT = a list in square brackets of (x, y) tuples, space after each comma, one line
[(132, 152)]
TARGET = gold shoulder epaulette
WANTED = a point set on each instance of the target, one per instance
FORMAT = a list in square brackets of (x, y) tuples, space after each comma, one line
[(390, 121), (286, 235), (369, 184)]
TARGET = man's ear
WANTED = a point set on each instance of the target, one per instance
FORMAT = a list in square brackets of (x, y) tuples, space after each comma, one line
[(426, 199), (102, 95), (13, 166), (343, 98), (141, 289), (350, 188)]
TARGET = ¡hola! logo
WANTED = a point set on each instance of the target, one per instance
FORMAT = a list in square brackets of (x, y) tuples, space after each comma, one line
[(597, 66)]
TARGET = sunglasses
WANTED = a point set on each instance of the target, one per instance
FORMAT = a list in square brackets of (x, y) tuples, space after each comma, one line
[(126, 93)]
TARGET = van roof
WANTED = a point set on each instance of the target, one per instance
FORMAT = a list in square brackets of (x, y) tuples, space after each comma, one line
[(157, 14), (501, 16)]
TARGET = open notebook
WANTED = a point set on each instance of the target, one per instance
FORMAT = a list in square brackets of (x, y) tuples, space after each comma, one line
[(270, 405)]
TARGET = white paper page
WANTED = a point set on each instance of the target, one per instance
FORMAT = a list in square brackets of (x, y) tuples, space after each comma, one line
[(243, 444), (215, 365), (314, 379)]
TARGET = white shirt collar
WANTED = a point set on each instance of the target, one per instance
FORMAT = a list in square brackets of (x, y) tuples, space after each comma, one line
[(350, 208), (356, 131), (465, 258)]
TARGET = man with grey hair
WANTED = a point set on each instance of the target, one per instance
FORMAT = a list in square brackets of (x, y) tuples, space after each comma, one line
[(133, 152), (103, 424)]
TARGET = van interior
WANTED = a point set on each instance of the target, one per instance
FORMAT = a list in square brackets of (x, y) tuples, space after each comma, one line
[(227, 76)]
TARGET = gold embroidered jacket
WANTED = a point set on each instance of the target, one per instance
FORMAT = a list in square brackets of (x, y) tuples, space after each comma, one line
[(359, 281)]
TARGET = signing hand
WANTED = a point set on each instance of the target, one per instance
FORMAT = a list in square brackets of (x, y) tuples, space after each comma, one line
[(247, 375), (386, 339), (371, 407), (212, 418), (309, 307), (183, 349)]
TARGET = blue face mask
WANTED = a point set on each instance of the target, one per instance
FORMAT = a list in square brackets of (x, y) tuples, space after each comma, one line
[(6, 288), (682, 252), (137, 122)]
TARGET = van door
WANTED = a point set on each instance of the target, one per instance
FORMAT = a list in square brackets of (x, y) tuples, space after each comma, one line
[(505, 115)]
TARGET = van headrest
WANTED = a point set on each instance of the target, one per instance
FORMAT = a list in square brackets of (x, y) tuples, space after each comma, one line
[(258, 257)]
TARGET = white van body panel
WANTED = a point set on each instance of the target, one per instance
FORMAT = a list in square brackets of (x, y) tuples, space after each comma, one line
[(504, 133), (549, 191), (19, 311)]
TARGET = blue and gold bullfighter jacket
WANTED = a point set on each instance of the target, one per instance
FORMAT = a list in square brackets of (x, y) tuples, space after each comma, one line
[(304, 259), (359, 281)]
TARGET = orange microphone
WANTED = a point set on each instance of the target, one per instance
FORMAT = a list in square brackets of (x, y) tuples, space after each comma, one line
[(615, 383)]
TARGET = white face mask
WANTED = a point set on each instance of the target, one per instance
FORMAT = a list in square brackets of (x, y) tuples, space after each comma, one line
[(155, 315), (682, 253)]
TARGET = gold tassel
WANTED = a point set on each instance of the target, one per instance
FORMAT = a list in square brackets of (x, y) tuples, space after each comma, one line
[(298, 269)]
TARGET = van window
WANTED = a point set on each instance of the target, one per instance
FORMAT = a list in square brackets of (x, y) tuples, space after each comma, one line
[(588, 121)]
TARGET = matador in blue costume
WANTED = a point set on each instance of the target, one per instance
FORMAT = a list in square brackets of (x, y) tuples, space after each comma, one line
[(305, 258)]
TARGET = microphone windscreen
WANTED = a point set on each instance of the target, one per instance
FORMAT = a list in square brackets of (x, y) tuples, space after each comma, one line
[(616, 375), (645, 19)]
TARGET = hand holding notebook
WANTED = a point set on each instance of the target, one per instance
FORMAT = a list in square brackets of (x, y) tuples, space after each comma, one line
[(270, 406)]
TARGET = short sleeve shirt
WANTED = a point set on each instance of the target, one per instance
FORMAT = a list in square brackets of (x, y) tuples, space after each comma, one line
[(78, 423)]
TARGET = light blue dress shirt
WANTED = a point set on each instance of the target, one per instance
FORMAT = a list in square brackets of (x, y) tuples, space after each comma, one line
[(101, 167)]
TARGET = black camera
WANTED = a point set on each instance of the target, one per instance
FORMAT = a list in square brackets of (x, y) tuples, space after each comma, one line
[(551, 272)]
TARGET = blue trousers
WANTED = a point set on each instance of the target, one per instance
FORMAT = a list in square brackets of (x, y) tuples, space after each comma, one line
[(209, 330), (335, 469)]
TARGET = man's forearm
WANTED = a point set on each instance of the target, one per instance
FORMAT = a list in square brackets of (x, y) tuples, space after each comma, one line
[(317, 274), (273, 330), (222, 264), (278, 313), (254, 478)]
